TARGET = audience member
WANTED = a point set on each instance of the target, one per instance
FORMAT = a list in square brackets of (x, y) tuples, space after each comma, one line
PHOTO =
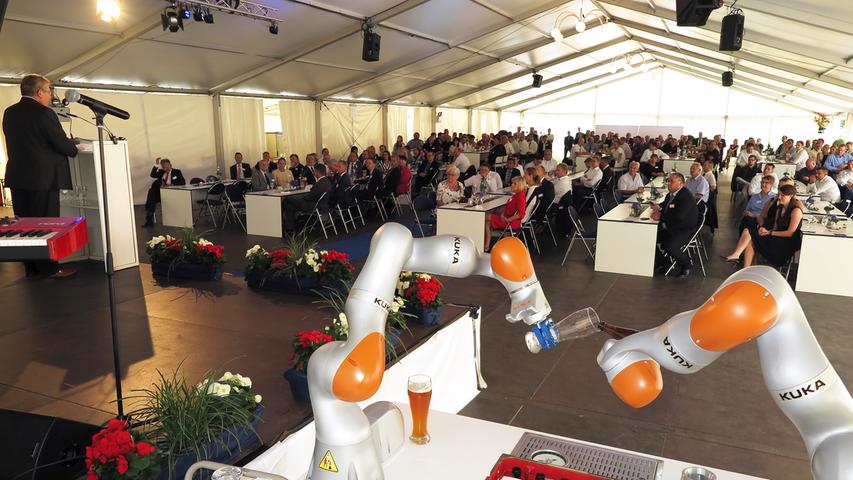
[(756, 203), (427, 171), (807, 174), (755, 183), (826, 187), (487, 180), (677, 223), (697, 184), (306, 203), (652, 150), (584, 186), (653, 168), (845, 182), (562, 184), (835, 162), (371, 181), (509, 170), (261, 176), (164, 175), (512, 214), (630, 182), (415, 142), (451, 189), (240, 170), (282, 175)]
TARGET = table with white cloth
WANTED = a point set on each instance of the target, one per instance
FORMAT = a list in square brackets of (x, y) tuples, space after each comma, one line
[(825, 265), (818, 206), (681, 165), (264, 210), (469, 221), (626, 244), (657, 182), (177, 202)]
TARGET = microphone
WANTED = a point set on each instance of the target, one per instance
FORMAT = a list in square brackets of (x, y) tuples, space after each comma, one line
[(72, 96)]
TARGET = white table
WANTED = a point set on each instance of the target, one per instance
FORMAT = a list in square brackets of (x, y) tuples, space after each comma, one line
[(682, 165), (264, 211), (818, 207), (460, 219), (625, 244), (657, 182), (825, 265), (177, 202)]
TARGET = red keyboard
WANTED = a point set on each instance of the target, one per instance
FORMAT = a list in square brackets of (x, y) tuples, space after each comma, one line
[(37, 238)]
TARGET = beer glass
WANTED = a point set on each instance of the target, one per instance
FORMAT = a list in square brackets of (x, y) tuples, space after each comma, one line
[(420, 393)]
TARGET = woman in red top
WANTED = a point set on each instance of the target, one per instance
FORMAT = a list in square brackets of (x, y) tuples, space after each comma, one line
[(405, 176), (513, 211)]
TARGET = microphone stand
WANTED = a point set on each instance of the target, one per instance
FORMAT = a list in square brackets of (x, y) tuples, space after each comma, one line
[(108, 260)]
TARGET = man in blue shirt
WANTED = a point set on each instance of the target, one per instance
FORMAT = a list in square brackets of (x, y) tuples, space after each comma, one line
[(757, 202), (837, 161)]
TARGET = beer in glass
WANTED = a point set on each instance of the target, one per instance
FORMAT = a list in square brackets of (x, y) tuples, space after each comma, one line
[(420, 393)]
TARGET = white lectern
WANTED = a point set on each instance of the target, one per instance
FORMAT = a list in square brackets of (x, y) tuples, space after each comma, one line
[(86, 199)]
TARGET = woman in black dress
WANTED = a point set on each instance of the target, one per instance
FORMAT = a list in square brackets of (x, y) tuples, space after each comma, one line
[(777, 234)]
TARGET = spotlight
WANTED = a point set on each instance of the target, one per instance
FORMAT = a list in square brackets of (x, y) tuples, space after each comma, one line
[(185, 13), (580, 26), (198, 14), (208, 17), (108, 10), (170, 19), (556, 34), (537, 80), (274, 28)]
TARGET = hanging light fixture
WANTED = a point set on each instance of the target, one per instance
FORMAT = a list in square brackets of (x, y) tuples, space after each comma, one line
[(580, 17), (108, 10)]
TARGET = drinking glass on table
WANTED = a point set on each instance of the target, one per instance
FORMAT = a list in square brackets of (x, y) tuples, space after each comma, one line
[(420, 393)]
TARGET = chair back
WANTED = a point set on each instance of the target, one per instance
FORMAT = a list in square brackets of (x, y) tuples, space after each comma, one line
[(322, 203), (598, 209), (212, 178), (531, 207), (236, 191), (576, 220), (196, 181), (215, 191)]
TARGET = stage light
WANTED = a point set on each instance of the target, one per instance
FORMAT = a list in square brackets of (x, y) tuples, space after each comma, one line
[(171, 20), (556, 34), (198, 14), (580, 26), (108, 10), (208, 17), (185, 13), (274, 28)]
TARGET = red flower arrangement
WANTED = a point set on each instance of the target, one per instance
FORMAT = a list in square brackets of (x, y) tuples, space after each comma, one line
[(421, 289), (189, 248), (117, 453), (335, 265), (279, 258), (173, 244), (304, 345)]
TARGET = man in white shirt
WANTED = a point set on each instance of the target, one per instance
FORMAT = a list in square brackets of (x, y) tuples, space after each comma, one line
[(708, 169), (459, 161), (845, 182), (631, 182), (799, 155), (548, 161), (587, 183), (532, 146), (745, 153), (755, 184), (516, 144), (485, 175), (826, 187), (652, 150), (550, 136), (697, 184), (562, 184), (618, 154)]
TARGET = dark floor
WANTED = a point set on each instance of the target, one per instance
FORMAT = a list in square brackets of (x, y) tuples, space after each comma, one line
[(55, 356)]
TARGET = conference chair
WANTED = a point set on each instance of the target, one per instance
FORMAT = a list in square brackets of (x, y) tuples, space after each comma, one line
[(542, 217), (235, 202), (212, 202), (354, 208), (579, 233), (196, 181), (525, 225), (598, 209), (321, 215), (693, 246)]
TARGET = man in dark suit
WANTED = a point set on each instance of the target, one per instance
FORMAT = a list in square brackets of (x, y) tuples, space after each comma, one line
[(298, 170), (240, 170), (164, 174), (426, 172), (509, 170), (305, 203), (372, 182), (38, 152), (567, 145), (342, 184), (677, 216), (266, 156)]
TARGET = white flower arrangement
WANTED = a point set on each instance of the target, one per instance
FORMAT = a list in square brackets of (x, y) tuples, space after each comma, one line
[(397, 303), (157, 240), (342, 319), (219, 389), (254, 250), (203, 242)]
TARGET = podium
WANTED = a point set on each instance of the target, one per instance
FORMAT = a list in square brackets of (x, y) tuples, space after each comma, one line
[(86, 199)]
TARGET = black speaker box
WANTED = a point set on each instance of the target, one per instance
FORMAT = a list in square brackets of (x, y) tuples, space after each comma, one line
[(731, 33), (693, 13), (537, 80), (370, 48), (44, 448), (728, 79)]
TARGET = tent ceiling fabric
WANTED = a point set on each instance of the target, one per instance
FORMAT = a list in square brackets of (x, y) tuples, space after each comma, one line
[(459, 53)]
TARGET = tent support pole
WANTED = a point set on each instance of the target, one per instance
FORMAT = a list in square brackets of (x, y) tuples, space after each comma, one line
[(217, 132)]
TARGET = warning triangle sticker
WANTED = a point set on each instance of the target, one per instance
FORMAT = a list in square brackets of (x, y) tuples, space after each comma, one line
[(328, 463)]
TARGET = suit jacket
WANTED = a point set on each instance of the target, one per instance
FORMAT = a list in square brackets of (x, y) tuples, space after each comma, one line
[(679, 213), (259, 183), (497, 151), (37, 148), (374, 181), (392, 179), (299, 171), (546, 189), (606, 179), (321, 186), (430, 169), (309, 172), (247, 171), (158, 173), (502, 171), (342, 184)]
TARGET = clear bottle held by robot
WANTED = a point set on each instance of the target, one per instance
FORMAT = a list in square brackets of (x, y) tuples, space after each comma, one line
[(582, 323)]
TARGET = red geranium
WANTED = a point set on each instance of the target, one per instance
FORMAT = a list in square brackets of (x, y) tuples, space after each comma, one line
[(115, 452), (335, 265), (173, 244), (304, 345), (425, 292)]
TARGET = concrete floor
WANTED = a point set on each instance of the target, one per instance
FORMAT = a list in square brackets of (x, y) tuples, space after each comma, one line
[(55, 358)]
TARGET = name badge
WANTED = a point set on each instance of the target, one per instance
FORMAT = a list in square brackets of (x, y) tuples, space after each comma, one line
[(671, 205)]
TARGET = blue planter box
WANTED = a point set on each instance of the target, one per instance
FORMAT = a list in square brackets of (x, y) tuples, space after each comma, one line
[(287, 284), (188, 271), (229, 448), (298, 385), (424, 316)]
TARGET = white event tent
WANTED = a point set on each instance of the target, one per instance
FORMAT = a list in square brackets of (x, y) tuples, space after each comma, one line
[(200, 94)]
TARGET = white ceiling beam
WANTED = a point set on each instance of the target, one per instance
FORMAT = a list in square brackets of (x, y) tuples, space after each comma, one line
[(364, 81), (553, 79), (106, 47), (518, 51), (775, 78), (339, 35), (784, 67), (714, 27), (514, 76), (613, 79), (746, 89), (556, 91)]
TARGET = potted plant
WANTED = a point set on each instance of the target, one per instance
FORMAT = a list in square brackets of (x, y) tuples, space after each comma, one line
[(215, 419), (298, 267), (304, 345), (190, 256), (117, 453), (421, 293), (822, 121)]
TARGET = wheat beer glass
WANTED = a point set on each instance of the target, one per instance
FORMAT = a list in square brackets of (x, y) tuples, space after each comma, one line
[(420, 393)]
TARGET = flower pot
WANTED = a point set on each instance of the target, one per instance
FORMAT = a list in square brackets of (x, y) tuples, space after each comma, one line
[(424, 316), (189, 271), (298, 385), (230, 446), (292, 285)]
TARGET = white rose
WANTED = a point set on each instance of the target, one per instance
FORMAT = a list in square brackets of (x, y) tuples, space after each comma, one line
[(399, 285), (224, 390), (425, 276), (226, 376), (258, 398), (342, 318), (405, 286), (156, 241), (243, 381), (203, 242), (316, 268)]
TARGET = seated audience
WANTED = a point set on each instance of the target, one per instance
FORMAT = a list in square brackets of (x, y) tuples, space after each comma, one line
[(512, 213), (652, 150), (755, 183), (630, 182), (807, 174), (756, 203), (837, 161), (708, 173), (451, 189), (261, 176), (486, 179), (509, 170), (415, 142), (305, 203), (298, 170), (460, 161), (371, 181), (585, 185), (826, 187), (697, 184), (562, 184), (427, 170), (240, 170), (266, 156), (405, 176), (798, 155), (845, 182), (653, 168), (282, 175), (607, 175), (164, 175), (776, 235), (342, 182), (746, 152), (677, 223), (546, 191), (746, 172)]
